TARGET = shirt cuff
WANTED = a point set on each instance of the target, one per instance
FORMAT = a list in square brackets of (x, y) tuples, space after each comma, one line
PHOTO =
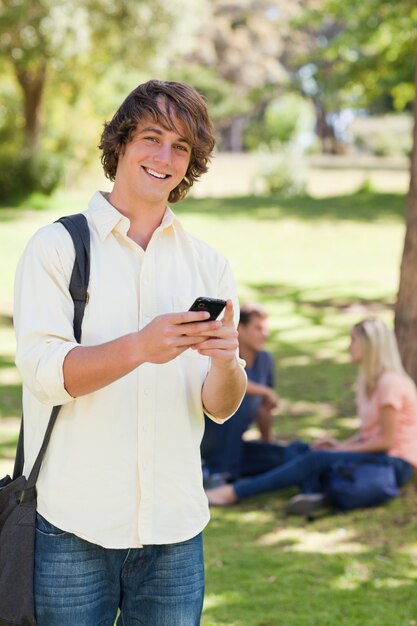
[(50, 375)]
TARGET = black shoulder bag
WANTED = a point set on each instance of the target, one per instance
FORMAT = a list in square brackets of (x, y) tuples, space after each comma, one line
[(18, 494)]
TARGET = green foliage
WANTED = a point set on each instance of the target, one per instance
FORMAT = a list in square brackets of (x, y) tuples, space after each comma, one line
[(37, 31), (366, 52), (58, 52), (241, 44), (219, 93), (280, 137), (21, 170), (283, 121), (21, 173), (74, 31)]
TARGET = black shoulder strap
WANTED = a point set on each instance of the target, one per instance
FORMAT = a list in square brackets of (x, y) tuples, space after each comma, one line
[(77, 227)]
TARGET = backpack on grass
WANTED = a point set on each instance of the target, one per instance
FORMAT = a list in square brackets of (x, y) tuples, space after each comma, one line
[(361, 484)]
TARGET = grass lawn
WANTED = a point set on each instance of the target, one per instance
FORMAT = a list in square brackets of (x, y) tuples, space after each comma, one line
[(318, 265)]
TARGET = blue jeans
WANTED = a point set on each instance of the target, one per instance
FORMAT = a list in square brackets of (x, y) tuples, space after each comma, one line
[(78, 583), (311, 465), (261, 456), (225, 452)]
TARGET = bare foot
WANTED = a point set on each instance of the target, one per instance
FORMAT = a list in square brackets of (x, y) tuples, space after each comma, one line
[(221, 496)]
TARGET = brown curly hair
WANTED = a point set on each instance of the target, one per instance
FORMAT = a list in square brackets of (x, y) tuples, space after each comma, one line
[(178, 100)]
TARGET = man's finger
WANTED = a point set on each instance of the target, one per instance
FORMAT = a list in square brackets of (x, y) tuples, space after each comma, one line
[(188, 342), (228, 313), (186, 317), (205, 328), (218, 344)]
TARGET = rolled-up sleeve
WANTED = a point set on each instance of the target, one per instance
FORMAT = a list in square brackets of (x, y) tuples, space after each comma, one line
[(43, 313)]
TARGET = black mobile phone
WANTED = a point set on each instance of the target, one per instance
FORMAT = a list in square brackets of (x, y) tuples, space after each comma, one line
[(213, 305)]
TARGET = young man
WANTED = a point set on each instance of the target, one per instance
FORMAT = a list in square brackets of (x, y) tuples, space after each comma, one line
[(226, 455), (120, 500)]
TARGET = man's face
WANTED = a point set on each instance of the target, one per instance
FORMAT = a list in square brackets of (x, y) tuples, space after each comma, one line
[(153, 163), (253, 335)]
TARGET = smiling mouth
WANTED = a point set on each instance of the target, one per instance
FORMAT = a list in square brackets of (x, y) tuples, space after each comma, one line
[(155, 174)]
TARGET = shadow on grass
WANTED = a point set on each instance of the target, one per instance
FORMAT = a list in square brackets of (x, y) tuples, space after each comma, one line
[(314, 308), (317, 387), (351, 569), (360, 207)]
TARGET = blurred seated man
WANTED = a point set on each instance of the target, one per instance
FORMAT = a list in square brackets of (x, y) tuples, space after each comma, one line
[(226, 455)]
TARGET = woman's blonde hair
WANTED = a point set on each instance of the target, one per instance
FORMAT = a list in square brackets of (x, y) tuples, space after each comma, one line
[(380, 352)]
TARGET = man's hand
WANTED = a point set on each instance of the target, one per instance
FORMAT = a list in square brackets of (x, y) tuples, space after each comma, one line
[(270, 398), (167, 336), (88, 368), (325, 443), (221, 342)]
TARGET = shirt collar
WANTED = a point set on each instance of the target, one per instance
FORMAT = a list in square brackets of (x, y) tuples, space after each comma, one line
[(106, 217)]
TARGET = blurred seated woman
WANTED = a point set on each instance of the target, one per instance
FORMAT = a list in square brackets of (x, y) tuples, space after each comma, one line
[(387, 408)]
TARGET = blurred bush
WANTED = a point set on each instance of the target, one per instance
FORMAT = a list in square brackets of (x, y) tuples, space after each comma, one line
[(68, 144), (284, 170), (281, 136), (287, 119), (22, 170)]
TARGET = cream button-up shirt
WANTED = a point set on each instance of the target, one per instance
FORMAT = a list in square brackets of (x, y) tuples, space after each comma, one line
[(123, 465)]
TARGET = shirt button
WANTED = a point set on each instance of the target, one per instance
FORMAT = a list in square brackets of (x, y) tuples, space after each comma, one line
[(147, 391)]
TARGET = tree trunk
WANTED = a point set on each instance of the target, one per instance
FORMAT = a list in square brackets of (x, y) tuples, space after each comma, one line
[(32, 84), (324, 131), (232, 135), (406, 307)]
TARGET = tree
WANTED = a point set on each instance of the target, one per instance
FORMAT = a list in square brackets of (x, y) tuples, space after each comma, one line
[(374, 65), (43, 40), (356, 54), (406, 306), (238, 51)]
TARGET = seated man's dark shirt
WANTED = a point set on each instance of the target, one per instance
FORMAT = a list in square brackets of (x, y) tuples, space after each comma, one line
[(222, 447)]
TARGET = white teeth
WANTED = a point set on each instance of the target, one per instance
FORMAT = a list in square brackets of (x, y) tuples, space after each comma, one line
[(156, 174)]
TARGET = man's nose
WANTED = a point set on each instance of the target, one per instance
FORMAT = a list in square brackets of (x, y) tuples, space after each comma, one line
[(163, 154)]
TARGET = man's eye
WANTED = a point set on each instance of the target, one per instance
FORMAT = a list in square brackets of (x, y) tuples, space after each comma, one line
[(151, 138), (182, 148)]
